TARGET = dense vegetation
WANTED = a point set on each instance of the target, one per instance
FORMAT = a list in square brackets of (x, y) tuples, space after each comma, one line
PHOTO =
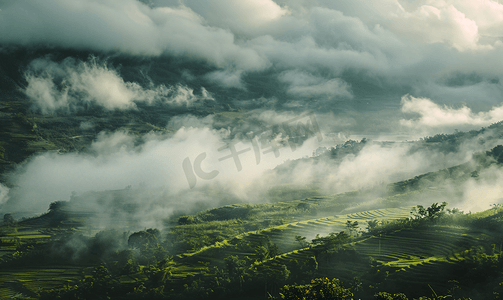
[(459, 253), (322, 247)]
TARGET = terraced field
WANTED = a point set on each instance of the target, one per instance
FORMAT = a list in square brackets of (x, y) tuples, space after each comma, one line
[(421, 257), (408, 246), (284, 236), (416, 256), (8, 242), (27, 281)]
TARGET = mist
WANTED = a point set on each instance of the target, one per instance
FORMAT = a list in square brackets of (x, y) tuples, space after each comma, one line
[(234, 73), (145, 178)]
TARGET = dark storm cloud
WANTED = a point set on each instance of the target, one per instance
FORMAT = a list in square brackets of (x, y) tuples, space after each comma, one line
[(397, 46), (121, 26)]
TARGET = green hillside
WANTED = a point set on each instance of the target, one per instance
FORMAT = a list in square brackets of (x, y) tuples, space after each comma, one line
[(383, 244)]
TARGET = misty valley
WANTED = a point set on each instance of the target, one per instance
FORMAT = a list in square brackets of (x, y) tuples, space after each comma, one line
[(403, 240), (251, 149)]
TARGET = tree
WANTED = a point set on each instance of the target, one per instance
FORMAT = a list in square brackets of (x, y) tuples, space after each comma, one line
[(436, 211), (497, 153), (433, 212), (131, 267), (159, 273), (318, 289), (388, 296), (418, 212), (301, 240), (333, 241), (302, 269), (272, 274), (236, 268), (267, 251), (144, 239), (8, 220), (351, 226), (58, 206), (185, 220), (58, 212), (371, 225)]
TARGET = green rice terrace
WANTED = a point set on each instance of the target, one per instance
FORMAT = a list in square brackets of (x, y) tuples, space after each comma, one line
[(384, 250), (368, 244)]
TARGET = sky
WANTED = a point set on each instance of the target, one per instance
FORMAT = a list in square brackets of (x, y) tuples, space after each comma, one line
[(387, 70), (394, 57)]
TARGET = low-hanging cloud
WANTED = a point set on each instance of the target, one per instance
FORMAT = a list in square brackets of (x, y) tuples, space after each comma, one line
[(481, 192), (74, 85), (154, 166), (432, 115), (307, 85), (154, 162)]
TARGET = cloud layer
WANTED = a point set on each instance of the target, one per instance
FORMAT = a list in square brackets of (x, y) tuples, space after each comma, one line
[(121, 26), (432, 115), (117, 160), (331, 51), (73, 85)]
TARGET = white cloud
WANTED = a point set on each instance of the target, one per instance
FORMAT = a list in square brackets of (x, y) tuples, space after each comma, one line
[(117, 160), (226, 78), (481, 193), (434, 115), (381, 37), (72, 85), (440, 23), (373, 51), (245, 16), (125, 26), (487, 14), (307, 85)]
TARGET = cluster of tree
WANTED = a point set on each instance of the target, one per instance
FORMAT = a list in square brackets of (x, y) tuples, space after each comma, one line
[(218, 284), (143, 255), (8, 220), (317, 289), (333, 289), (331, 243), (349, 147), (432, 213), (101, 285), (239, 277), (194, 236), (115, 249), (421, 216), (495, 155), (264, 275), (451, 142)]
